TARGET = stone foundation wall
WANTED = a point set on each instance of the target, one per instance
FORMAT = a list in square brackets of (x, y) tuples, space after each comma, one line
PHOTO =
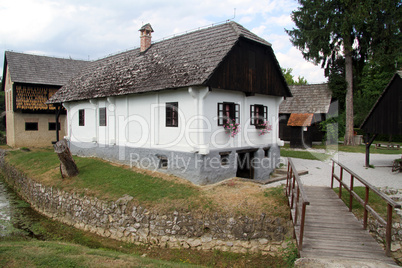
[(123, 221)]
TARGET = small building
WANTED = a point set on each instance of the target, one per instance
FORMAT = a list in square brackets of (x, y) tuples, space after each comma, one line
[(386, 115), (29, 81), (301, 114), (202, 106)]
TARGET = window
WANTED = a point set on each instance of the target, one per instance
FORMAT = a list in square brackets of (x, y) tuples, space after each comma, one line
[(81, 117), (163, 164), (266, 151), (102, 116), (31, 126), (228, 111), (224, 158), (52, 125), (258, 114), (172, 113)]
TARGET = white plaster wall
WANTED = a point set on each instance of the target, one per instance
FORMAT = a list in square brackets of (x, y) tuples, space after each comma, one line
[(249, 135), (138, 120), (87, 133)]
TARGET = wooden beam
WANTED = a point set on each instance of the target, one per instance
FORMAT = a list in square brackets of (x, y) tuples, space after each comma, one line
[(368, 144)]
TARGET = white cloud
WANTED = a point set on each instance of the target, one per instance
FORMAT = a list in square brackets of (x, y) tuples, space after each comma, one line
[(96, 28), (293, 58)]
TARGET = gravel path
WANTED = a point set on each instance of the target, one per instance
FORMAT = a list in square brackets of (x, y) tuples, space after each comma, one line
[(319, 173)]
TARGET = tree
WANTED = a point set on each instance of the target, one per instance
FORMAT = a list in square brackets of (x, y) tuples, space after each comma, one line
[(352, 30), (287, 73)]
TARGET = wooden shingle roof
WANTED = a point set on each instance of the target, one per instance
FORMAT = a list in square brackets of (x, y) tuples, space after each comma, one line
[(186, 60), (43, 70), (300, 120), (314, 98)]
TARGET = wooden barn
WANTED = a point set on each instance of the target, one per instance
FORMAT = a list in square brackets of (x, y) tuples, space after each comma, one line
[(386, 115), (29, 81), (301, 114)]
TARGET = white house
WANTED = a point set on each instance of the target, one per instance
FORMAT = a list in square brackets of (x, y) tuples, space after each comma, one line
[(165, 105)]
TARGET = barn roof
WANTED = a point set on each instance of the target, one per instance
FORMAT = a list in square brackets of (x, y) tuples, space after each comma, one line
[(186, 60), (315, 98), (388, 126), (43, 70)]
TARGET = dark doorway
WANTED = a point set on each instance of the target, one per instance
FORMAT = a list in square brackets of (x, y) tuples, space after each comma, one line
[(245, 168)]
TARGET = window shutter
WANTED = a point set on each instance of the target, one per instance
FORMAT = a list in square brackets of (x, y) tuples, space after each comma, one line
[(252, 121), (220, 114), (266, 113), (237, 113)]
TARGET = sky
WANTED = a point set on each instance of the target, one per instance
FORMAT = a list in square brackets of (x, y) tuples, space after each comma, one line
[(93, 29)]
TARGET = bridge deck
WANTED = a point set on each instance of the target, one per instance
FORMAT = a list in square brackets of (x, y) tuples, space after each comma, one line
[(331, 231)]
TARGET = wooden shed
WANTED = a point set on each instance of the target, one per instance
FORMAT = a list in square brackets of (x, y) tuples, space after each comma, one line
[(313, 100), (386, 115)]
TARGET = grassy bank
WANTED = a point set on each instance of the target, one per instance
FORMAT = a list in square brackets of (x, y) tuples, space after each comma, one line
[(153, 190), (158, 191)]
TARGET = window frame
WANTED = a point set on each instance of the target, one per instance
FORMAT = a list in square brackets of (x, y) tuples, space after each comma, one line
[(232, 112), (172, 114), (258, 116), (31, 128), (102, 117), (81, 117), (53, 124)]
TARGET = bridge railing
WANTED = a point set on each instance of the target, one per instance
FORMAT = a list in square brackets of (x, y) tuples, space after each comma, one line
[(367, 208), (297, 202)]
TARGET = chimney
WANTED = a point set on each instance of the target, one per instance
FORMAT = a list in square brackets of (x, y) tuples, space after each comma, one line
[(145, 37)]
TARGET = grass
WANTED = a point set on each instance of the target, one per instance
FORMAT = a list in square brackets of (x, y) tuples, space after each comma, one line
[(105, 180), (95, 251), (152, 190), (58, 254), (312, 154)]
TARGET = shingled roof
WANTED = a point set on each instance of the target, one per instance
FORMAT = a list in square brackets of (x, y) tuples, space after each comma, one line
[(314, 98), (43, 70), (186, 60)]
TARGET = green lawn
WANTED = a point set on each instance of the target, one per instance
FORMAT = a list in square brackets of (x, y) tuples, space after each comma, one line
[(35, 253), (286, 151)]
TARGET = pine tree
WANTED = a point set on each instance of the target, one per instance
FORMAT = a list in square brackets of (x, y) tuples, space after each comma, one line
[(352, 30)]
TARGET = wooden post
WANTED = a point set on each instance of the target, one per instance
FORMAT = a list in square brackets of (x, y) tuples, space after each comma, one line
[(58, 110), (332, 176), (350, 193), (68, 168), (366, 200), (340, 183), (388, 232), (368, 143)]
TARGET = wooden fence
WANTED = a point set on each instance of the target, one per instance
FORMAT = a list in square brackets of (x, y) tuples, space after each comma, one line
[(297, 202), (367, 208)]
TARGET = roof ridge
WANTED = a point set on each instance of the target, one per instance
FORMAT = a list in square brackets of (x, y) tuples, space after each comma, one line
[(236, 28), (41, 56)]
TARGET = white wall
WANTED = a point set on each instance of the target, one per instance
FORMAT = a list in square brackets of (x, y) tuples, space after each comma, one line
[(138, 120)]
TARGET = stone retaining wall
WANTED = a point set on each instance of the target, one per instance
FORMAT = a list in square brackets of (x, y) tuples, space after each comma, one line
[(123, 221)]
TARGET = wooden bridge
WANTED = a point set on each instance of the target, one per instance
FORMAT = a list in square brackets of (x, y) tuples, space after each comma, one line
[(326, 228)]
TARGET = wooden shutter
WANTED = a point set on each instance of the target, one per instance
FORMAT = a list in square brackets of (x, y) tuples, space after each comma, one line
[(252, 109), (237, 113), (220, 114)]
